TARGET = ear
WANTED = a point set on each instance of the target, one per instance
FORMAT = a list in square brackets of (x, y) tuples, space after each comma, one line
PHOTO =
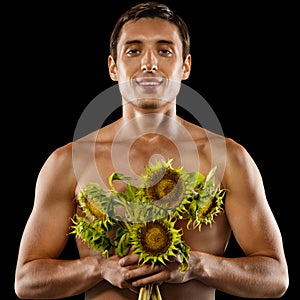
[(112, 68), (187, 67)]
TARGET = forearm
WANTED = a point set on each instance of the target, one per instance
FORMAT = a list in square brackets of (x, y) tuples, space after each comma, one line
[(252, 277), (49, 278)]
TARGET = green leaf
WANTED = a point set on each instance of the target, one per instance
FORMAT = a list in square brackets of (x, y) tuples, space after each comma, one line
[(122, 244), (117, 176), (209, 177), (131, 192)]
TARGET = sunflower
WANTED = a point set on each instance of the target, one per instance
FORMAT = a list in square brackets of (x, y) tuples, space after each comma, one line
[(95, 203), (167, 189), (158, 241), (94, 227), (209, 209), (93, 234), (207, 202)]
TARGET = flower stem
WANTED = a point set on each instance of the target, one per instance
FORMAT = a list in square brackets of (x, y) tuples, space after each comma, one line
[(150, 292), (156, 294)]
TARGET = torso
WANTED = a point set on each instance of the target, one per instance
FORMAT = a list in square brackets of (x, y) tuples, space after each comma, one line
[(102, 158)]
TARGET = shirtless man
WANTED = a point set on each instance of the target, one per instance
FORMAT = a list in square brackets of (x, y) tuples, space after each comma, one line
[(149, 59)]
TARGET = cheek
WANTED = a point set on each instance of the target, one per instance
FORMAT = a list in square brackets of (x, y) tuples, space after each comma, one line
[(125, 71), (121, 74), (173, 69), (177, 74)]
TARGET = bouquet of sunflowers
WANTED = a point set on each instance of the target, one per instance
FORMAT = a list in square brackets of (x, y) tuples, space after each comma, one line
[(144, 218)]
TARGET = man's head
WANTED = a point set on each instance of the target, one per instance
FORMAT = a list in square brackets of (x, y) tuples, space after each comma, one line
[(151, 10), (149, 55)]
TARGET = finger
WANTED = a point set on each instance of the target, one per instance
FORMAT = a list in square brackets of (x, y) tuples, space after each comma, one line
[(129, 260), (157, 278), (142, 271)]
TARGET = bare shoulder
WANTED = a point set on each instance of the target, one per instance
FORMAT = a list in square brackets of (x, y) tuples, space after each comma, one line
[(242, 175), (61, 156), (58, 167), (201, 134), (238, 158), (235, 150), (233, 159)]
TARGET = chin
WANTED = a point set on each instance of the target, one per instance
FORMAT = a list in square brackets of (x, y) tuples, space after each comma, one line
[(151, 104)]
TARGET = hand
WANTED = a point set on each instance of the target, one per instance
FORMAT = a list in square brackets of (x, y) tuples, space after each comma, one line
[(146, 274), (115, 272)]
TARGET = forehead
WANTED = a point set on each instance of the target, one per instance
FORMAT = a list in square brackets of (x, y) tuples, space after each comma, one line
[(149, 29)]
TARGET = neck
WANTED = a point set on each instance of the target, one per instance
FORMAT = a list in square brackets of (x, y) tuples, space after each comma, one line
[(138, 122)]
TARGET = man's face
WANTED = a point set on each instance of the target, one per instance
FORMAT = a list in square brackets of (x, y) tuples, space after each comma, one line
[(149, 66)]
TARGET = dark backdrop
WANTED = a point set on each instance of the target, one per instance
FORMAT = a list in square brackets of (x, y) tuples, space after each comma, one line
[(57, 64)]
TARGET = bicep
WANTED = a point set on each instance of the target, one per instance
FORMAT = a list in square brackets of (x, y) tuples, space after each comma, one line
[(247, 208), (47, 229)]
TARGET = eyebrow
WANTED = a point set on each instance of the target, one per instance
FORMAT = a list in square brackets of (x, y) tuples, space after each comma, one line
[(140, 42)]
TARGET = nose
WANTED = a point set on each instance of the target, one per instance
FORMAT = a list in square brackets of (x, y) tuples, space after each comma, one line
[(149, 67), (149, 62)]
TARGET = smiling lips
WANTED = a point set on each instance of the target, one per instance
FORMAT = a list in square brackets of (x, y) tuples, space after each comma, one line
[(149, 82)]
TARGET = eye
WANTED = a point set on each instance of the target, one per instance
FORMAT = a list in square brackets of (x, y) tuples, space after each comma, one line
[(133, 52), (165, 52)]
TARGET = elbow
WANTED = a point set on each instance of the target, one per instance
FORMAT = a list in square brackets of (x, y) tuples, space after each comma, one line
[(22, 291), (20, 287), (275, 283), (19, 291), (282, 287)]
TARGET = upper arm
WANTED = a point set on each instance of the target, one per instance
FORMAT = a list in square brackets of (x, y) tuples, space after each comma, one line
[(47, 228), (249, 214)]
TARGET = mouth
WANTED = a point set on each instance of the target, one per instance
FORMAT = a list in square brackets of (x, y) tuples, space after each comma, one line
[(149, 82)]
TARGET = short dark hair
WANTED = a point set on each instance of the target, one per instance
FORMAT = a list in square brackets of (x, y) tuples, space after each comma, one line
[(150, 10)]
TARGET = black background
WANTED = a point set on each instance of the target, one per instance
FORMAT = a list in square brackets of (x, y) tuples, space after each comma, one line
[(56, 59)]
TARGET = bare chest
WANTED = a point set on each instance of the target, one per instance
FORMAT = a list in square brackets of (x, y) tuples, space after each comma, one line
[(211, 239), (131, 159)]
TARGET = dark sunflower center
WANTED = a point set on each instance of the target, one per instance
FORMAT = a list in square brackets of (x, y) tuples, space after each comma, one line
[(155, 239), (167, 187), (206, 210)]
